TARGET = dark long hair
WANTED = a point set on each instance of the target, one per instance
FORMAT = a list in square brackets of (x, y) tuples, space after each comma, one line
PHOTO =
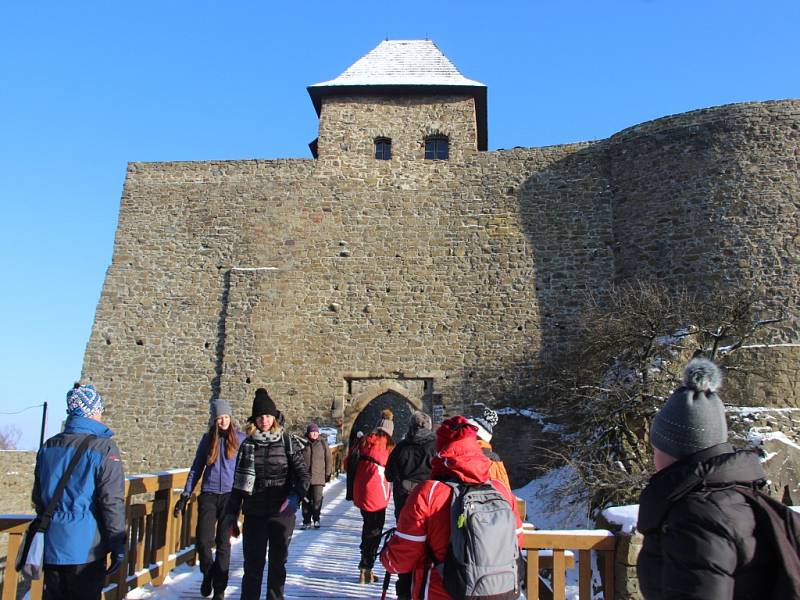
[(231, 442)]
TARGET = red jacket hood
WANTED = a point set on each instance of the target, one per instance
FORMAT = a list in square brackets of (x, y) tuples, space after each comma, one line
[(463, 459), (374, 446)]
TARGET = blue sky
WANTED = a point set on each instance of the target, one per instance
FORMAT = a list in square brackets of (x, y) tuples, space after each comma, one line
[(87, 87)]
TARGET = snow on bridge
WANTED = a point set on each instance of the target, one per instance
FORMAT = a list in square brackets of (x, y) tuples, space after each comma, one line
[(323, 563)]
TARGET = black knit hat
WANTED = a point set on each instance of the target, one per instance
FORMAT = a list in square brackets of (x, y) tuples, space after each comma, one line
[(263, 405)]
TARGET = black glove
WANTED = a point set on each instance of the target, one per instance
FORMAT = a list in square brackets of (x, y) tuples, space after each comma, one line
[(117, 557), (180, 506)]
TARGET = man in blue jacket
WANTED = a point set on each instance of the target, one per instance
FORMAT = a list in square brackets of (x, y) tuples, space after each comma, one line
[(88, 522)]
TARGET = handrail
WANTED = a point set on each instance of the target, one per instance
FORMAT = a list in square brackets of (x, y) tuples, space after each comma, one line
[(157, 541), (584, 541)]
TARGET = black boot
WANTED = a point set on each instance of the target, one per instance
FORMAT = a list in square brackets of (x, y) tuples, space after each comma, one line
[(205, 587)]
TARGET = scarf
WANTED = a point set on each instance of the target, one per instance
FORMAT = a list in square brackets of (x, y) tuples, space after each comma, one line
[(244, 476)]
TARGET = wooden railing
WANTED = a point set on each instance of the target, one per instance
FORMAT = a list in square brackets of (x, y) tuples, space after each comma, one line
[(554, 550), (157, 541)]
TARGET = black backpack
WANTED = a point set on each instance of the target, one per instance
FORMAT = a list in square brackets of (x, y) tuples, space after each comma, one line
[(482, 555), (779, 526)]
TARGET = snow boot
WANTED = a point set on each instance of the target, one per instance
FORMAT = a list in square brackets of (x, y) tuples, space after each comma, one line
[(316, 525), (367, 576), (205, 587)]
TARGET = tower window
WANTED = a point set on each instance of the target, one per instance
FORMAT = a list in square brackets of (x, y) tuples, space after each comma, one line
[(383, 148), (436, 147)]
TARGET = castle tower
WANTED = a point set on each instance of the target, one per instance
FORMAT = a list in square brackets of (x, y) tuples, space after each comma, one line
[(404, 100)]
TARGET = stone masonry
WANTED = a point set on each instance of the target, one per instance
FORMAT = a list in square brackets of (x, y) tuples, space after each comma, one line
[(332, 281)]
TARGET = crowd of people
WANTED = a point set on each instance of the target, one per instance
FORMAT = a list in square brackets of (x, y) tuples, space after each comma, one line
[(702, 537)]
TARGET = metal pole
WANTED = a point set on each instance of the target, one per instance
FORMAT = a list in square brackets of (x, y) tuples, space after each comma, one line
[(44, 424)]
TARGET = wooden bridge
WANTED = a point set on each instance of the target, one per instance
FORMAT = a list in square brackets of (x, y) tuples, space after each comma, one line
[(322, 563)]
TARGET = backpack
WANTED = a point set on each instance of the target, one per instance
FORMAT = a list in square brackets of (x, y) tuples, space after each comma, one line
[(482, 554), (778, 526)]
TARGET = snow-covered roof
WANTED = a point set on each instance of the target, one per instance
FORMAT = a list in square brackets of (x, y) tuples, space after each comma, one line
[(404, 67), (402, 62)]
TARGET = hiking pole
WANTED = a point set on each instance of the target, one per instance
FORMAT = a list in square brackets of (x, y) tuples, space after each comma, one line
[(387, 578)]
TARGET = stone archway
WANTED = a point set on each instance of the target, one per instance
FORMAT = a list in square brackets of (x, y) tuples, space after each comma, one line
[(364, 411)]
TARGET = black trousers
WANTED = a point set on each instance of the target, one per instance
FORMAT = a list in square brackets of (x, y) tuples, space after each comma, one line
[(312, 503), (210, 511), (371, 536), (258, 533), (74, 582)]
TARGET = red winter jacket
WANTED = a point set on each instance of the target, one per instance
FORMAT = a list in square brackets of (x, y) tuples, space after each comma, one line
[(425, 519), (371, 490)]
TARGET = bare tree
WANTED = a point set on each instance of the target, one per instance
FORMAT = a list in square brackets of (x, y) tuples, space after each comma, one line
[(9, 437), (609, 383)]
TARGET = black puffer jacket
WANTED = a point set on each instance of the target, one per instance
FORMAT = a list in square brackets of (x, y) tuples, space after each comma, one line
[(700, 534), (410, 463), (279, 470)]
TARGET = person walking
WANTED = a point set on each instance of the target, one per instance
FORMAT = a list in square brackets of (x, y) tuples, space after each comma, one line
[(319, 461), (409, 464), (88, 522), (214, 462), (371, 492), (485, 422), (269, 480), (351, 462), (423, 531), (701, 537)]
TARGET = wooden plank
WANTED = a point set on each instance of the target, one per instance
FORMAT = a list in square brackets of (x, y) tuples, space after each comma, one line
[(608, 572), (546, 561), (12, 524), (559, 576), (522, 508), (585, 575), (11, 578), (570, 540), (37, 589), (144, 484), (532, 576)]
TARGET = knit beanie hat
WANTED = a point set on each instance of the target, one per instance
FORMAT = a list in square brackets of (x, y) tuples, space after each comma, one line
[(386, 423), (485, 423), (693, 417), (263, 405), (220, 407), (419, 420), (312, 427), (84, 401), (454, 429)]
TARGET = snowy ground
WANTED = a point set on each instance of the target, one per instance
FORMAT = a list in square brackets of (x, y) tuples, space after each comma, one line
[(323, 563)]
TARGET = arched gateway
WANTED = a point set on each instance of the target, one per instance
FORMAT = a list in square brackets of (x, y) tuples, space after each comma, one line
[(365, 409)]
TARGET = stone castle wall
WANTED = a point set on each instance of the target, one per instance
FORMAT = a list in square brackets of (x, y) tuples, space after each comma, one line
[(16, 481), (348, 125), (322, 279)]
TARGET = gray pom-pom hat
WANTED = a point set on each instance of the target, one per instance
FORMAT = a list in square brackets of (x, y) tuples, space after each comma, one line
[(693, 418)]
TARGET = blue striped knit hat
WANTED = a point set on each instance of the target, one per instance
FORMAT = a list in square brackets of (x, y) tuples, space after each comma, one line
[(84, 401)]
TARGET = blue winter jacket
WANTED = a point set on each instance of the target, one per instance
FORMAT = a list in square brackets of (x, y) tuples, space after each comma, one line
[(89, 520), (217, 478)]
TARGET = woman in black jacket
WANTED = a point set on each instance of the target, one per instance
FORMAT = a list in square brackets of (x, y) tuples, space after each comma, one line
[(269, 481), (700, 534)]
